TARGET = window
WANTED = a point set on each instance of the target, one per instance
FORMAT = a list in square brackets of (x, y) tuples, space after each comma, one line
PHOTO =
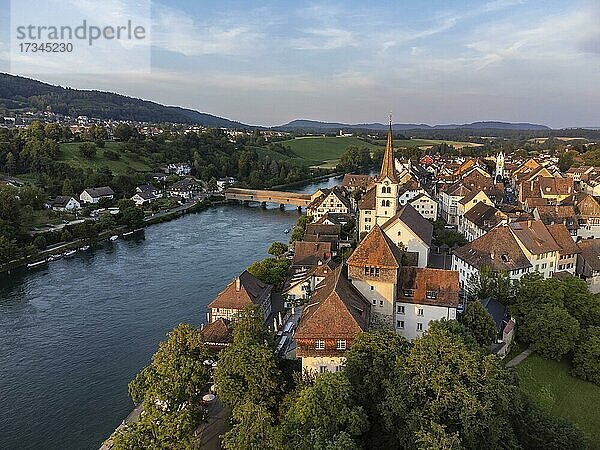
[(322, 369), (381, 303), (320, 344), (400, 324), (543, 266), (409, 292), (419, 326), (431, 294), (372, 288), (371, 271), (374, 301), (419, 311), (400, 309), (340, 344)]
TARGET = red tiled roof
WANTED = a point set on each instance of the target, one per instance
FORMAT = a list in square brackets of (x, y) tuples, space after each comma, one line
[(311, 253), (377, 250), (245, 290), (337, 310), (368, 200), (217, 332), (425, 282)]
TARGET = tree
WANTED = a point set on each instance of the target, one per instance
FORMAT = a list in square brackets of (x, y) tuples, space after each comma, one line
[(480, 323), (550, 330), (278, 249), (123, 132), (586, 360), (461, 389), (270, 270), (539, 430), (171, 389), (253, 429), (87, 150), (10, 164), (130, 214), (212, 184), (369, 367), (247, 370), (67, 188), (435, 437), (40, 242), (323, 412), (355, 159)]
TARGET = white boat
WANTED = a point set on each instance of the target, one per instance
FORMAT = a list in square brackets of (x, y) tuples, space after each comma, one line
[(37, 263), (286, 231), (84, 248), (70, 253), (114, 238)]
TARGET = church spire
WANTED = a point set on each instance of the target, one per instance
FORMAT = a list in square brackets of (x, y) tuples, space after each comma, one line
[(388, 168)]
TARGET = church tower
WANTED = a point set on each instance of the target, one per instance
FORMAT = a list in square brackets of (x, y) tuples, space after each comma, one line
[(499, 175), (387, 184)]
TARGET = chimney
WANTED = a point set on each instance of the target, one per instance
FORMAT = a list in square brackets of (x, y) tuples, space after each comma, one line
[(237, 284)]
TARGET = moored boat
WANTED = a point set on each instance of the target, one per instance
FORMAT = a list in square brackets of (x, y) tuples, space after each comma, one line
[(114, 238)]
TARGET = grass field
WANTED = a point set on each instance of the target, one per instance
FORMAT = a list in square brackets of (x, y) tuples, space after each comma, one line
[(70, 155), (554, 389), (412, 143), (324, 151)]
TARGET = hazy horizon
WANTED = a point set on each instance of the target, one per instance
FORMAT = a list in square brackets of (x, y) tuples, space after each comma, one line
[(444, 62)]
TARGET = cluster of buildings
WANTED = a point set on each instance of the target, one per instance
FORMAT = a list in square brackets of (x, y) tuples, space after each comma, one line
[(516, 216)]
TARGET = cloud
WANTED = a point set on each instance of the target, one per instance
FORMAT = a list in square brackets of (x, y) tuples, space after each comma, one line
[(324, 39), (176, 31)]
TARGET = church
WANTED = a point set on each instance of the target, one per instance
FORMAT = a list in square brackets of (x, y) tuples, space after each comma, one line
[(380, 206)]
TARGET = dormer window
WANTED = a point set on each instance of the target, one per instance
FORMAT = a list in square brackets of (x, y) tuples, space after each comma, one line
[(432, 295), (319, 344), (409, 292)]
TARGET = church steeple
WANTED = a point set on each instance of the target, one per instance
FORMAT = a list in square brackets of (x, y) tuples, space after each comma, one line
[(388, 168)]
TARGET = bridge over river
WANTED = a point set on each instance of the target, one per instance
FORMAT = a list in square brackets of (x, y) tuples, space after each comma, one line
[(263, 197)]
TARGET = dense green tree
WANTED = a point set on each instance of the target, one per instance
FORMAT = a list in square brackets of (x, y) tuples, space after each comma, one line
[(171, 390), (253, 429), (369, 367), (248, 370), (130, 214), (480, 323), (586, 360), (277, 249), (550, 330), (435, 437), (270, 270), (539, 430), (355, 159), (463, 390), (88, 150), (67, 188), (322, 412)]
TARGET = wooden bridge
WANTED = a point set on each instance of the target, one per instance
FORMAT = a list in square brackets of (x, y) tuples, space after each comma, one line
[(263, 197)]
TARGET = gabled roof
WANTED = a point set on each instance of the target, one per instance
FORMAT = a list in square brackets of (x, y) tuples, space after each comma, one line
[(377, 250), (368, 200), (245, 290), (563, 238), (590, 252), (357, 181), (103, 191), (438, 283), (61, 201), (337, 310), (322, 229), (484, 216), (309, 254), (467, 198), (587, 206), (497, 249), (218, 333), (419, 225), (534, 236)]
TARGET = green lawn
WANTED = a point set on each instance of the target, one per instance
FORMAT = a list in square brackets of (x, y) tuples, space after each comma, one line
[(70, 155), (411, 143), (554, 389), (324, 150)]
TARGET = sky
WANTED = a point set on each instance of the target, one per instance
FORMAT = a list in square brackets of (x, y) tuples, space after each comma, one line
[(435, 61)]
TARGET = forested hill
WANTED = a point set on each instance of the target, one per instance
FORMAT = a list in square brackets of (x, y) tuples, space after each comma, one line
[(23, 94), (489, 125)]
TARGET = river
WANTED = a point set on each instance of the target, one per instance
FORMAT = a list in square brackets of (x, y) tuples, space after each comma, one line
[(74, 333)]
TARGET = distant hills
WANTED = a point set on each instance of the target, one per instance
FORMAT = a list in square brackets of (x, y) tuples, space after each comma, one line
[(325, 126), (18, 94), (24, 94)]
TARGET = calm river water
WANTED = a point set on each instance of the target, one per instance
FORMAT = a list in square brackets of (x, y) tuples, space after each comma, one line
[(73, 334)]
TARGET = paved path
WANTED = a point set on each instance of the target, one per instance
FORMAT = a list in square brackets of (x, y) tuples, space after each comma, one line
[(518, 359)]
